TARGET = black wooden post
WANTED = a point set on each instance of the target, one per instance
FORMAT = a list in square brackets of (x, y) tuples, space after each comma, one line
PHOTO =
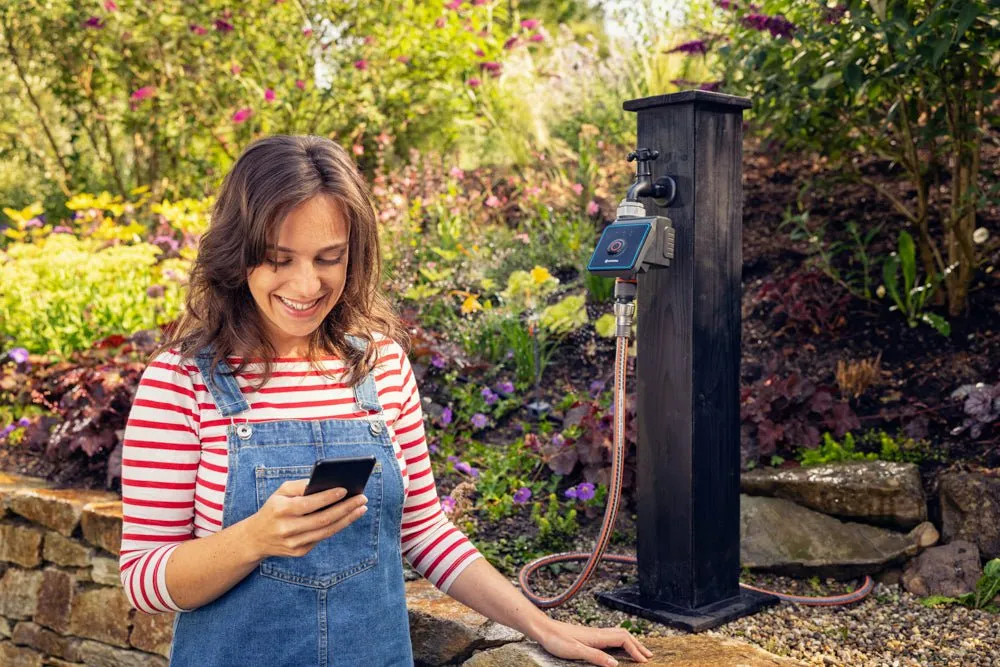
[(687, 365)]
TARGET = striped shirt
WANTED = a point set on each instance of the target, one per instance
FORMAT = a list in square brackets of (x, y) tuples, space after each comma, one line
[(174, 462)]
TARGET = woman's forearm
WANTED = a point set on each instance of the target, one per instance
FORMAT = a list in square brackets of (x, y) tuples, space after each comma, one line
[(202, 569), (482, 588)]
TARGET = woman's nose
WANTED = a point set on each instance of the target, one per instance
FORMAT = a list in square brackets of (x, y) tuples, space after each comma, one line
[(307, 281)]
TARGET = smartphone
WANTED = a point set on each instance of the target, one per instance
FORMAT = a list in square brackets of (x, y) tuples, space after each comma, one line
[(350, 473)]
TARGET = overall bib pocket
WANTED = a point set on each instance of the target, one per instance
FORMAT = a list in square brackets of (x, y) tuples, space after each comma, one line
[(352, 550)]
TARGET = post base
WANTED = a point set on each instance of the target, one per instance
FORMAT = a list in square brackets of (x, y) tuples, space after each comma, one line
[(707, 617)]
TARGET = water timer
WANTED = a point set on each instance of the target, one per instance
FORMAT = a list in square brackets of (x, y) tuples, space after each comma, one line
[(632, 246)]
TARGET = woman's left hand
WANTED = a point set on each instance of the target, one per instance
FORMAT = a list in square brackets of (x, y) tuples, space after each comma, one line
[(565, 640)]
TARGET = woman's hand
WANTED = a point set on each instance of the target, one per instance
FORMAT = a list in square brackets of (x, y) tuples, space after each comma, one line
[(283, 526), (565, 640)]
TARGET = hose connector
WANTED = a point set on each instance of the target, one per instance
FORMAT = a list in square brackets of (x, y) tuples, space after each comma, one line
[(624, 306)]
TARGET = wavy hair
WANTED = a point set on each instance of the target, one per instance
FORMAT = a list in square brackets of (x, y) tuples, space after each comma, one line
[(271, 177)]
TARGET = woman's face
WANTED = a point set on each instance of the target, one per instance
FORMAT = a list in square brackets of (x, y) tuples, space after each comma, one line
[(311, 258)]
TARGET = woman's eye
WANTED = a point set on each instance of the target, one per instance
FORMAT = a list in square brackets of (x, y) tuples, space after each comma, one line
[(329, 261)]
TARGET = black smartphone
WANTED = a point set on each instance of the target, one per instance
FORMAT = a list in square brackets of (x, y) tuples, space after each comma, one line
[(351, 473)]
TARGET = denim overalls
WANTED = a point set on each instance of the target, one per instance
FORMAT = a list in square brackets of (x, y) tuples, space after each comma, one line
[(341, 605)]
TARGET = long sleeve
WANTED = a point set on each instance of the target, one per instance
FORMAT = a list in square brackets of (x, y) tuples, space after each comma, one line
[(160, 458), (431, 544)]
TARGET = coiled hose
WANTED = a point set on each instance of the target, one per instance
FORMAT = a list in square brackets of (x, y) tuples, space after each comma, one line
[(611, 512)]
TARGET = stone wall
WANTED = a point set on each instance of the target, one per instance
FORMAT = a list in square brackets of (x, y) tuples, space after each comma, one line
[(61, 601)]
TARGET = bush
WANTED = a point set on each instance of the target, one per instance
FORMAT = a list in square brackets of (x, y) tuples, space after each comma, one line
[(65, 294)]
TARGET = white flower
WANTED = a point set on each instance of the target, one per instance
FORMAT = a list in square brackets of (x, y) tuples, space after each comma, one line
[(980, 235), (880, 292)]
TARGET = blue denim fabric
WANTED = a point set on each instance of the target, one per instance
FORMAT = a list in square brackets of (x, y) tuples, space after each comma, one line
[(341, 605)]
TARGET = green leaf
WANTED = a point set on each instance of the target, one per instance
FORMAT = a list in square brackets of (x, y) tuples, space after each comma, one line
[(828, 81), (965, 19), (938, 322), (939, 49), (853, 76), (908, 257), (890, 280)]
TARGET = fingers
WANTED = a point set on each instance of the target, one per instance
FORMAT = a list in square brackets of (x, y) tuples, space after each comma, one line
[(625, 639), (309, 538), (291, 488), (321, 520)]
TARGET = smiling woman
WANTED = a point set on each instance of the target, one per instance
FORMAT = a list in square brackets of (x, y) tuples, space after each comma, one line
[(303, 277)]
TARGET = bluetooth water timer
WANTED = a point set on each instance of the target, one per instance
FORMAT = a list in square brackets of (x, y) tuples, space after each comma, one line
[(630, 247)]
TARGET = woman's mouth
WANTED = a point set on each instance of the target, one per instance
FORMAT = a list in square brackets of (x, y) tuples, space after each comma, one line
[(299, 308)]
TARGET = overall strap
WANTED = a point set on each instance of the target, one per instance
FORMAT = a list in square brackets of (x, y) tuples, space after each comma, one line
[(365, 392), (225, 391)]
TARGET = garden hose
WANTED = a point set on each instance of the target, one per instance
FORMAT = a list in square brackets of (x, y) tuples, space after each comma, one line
[(624, 308)]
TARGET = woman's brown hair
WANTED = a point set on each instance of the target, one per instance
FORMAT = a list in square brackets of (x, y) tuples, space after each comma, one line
[(273, 176)]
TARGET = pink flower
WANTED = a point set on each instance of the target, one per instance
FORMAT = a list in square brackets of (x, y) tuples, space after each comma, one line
[(197, 29), (457, 173), (269, 95), (695, 46), (523, 238), (530, 24), (235, 69), (300, 84), (490, 66), (223, 26), (454, 5), (143, 93), (578, 188), (307, 32), (532, 191), (440, 22), (479, 52), (109, 5), (358, 149), (492, 201), (361, 64), (369, 39), (536, 37), (242, 114), (476, 3), (403, 59), (593, 208), (94, 22), (474, 83), (510, 43)]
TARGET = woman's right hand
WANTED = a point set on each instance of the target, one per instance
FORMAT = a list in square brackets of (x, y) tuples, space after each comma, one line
[(283, 526)]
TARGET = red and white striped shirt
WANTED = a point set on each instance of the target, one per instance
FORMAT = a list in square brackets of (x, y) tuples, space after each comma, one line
[(174, 462)]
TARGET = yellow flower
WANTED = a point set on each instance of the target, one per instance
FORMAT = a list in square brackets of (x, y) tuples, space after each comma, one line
[(540, 274), (471, 304)]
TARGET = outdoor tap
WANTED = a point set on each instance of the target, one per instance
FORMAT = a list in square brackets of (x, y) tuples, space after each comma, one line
[(661, 191), (635, 242)]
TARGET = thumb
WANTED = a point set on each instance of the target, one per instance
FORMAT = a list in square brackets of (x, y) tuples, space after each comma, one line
[(292, 488)]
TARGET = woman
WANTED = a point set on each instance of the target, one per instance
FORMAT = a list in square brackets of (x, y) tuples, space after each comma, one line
[(287, 353)]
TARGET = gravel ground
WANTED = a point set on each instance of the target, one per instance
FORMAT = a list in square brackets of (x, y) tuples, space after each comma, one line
[(889, 628)]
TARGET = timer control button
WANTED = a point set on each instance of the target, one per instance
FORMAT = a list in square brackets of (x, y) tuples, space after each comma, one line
[(616, 246)]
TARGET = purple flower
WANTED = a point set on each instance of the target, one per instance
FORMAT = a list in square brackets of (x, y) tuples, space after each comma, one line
[(434, 449), (489, 396), (223, 26), (479, 420), (462, 466), (694, 46), (18, 354), (710, 85), (522, 495), (585, 491), (596, 387), (570, 492), (437, 361), (154, 291), (778, 26), (506, 387), (94, 22), (24, 422), (61, 229), (448, 504), (453, 458), (446, 416), (7, 429), (167, 240), (558, 440)]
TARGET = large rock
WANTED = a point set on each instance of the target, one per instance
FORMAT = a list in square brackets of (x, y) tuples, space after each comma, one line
[(102, 525), (443, 630), (779, 536), (879, 492), (677, 651), (970, 509), (58, 509), (950, 570)]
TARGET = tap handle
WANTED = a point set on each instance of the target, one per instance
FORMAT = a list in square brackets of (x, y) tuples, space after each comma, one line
[(642, 155)]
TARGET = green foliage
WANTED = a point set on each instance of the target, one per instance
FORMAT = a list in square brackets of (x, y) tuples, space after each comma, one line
[(167, 94), (556, 525), (987, 588), (831, 451), (911, 298), (569, 314), (66, 294), (906, 81), (526, 291), (600, 288)]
